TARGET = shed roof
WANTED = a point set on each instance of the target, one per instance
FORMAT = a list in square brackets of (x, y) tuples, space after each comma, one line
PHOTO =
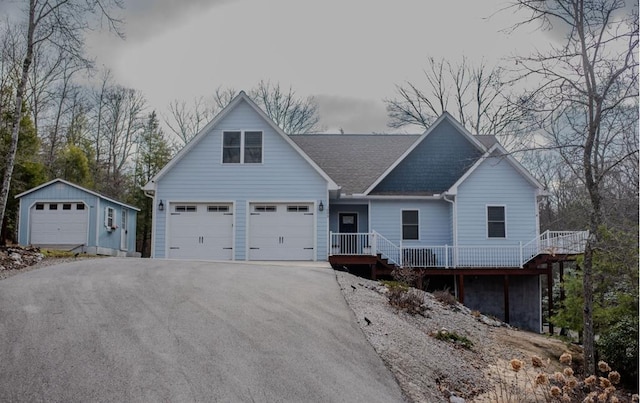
[(92, 192), (354, 161)]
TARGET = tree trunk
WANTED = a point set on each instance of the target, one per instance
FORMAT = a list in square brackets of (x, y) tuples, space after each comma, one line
[(588, 336), (17, 115)]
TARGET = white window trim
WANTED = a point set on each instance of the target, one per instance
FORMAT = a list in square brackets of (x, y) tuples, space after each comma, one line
[(110, 219), (486, 220), (402, 225), (242, 135)]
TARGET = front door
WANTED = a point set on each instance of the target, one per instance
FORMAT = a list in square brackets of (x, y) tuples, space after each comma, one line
[(348, 223), (349, 244), (124, 231)]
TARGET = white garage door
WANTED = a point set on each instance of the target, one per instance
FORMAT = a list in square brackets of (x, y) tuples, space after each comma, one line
[(201, 231), (281, 231), (59, 223)]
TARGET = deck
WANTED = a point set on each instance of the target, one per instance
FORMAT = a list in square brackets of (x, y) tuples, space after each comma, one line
[(372, 248)]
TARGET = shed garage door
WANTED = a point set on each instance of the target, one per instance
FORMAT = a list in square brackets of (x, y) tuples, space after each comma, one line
[(59, 223), (281, 231), (201, 231)]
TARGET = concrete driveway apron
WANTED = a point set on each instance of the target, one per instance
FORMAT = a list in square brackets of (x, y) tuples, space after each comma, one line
[(140, 330)]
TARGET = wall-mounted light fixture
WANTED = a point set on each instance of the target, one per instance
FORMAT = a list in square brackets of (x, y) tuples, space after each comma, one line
[(321, 206), (161, 205)]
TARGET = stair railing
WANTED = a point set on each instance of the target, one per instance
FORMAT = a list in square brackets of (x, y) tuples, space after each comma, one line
[(387, 249)]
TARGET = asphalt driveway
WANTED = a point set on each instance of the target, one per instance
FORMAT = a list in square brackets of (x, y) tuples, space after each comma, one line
[(139, 330)]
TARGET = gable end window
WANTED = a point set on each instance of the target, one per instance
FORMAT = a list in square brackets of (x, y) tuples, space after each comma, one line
[(242, 147), (410, 227), (496, 223)]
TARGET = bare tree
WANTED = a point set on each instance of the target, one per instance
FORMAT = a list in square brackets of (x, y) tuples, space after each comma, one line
[(61, 23), (586, 104), (185, 121), (290, 113), (124, 122), (293, 115), (478, 96)]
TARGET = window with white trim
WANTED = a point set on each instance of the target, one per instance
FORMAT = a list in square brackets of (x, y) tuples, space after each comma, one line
[(410, 226), (496, 222), (242, 147), (109, 217)]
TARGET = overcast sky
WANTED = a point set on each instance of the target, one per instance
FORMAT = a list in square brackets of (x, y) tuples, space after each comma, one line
[(348, 54)]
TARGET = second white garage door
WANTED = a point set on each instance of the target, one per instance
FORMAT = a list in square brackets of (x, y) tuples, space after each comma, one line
[(201, 231), (281, 231)]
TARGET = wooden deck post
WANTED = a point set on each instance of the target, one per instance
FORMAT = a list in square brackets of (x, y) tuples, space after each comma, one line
[(373, 271), (550, 294), (461, 288), (506, 298)]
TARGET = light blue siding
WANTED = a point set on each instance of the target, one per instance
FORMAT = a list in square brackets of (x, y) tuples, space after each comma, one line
[(61, 192), (496, 182), (433, 215), (284, 176)]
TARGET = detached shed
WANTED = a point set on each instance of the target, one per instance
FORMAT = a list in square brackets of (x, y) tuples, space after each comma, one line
[(63, 215)]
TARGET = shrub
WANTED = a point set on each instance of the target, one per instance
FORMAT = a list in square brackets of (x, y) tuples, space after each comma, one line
[(445, 297), (406, 275), (519, 383), (453, 337), (619, 347), (407, 299)]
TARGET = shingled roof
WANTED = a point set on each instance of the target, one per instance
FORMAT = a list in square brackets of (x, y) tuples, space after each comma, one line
[(354, 161)]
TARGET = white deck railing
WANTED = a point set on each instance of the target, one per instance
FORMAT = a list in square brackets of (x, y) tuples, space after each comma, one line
[(550, 242)]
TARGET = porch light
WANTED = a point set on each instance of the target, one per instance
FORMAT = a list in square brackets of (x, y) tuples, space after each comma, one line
[(161, 205), (321, 206)]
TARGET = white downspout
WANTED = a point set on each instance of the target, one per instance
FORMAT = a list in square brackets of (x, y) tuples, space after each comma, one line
[(455, 219), (454, 255)]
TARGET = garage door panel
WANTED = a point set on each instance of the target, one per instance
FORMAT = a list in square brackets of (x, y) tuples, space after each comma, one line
[(281, 231), (57, 226), (201, 231)]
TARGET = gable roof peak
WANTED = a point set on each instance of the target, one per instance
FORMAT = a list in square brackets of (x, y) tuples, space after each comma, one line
[(242, 96)]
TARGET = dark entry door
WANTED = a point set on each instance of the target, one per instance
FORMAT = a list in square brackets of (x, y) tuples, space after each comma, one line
[(349, 244), (348, 223)]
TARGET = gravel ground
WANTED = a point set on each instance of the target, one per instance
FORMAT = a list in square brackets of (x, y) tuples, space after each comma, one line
[(431, 370)]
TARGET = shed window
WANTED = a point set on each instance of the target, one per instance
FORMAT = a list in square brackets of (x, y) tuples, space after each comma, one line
[(410, 227), (53, 206), (109, 217), (80, 206), (242, 147), (66, 206), (39, 206), (496, 227)]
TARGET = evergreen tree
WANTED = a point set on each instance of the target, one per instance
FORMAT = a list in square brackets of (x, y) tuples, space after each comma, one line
[(154, 152)]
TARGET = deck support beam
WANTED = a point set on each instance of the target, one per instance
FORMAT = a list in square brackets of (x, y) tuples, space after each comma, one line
[(505, 284), (550, 294), (461, 288)]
